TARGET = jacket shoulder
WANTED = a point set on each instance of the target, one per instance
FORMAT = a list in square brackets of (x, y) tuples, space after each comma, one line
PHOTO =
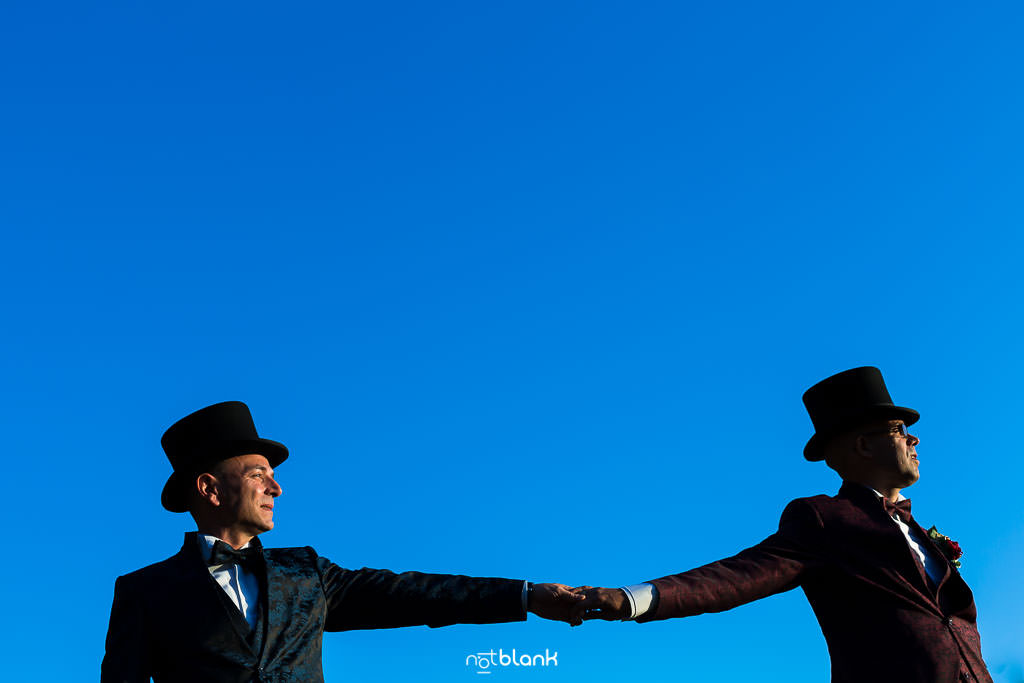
[(825, 508), (819, 510), (305, 555), (154, 572), (813, 501), (815, 504)]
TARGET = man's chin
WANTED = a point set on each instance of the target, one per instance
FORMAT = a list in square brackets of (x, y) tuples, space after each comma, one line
[(262, 525)]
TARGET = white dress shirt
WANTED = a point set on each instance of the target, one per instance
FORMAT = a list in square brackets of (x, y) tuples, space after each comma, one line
[(932, 566), (641, 595), (240, 584)]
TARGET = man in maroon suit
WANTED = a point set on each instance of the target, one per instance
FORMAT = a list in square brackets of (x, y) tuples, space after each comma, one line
[(887, 594)]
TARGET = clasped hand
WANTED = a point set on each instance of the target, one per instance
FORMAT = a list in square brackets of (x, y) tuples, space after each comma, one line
[(576, 605)]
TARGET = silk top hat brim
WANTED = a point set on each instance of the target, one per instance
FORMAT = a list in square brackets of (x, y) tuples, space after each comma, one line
[(848, 400), (197, 442)]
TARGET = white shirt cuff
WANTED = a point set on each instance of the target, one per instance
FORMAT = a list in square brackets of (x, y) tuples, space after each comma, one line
[(640, 598)]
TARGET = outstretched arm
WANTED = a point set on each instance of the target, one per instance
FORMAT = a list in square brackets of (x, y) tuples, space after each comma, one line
[(775, 565), (378, 598)]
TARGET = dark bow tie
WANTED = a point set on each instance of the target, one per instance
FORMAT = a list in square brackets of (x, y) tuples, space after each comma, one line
[(225, 554), (900, 509)]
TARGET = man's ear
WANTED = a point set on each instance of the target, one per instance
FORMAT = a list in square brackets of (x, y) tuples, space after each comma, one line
[(208, 488), (862, 447)]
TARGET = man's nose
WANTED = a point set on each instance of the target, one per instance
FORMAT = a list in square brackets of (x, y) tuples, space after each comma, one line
[(913, 440), (273, 488)]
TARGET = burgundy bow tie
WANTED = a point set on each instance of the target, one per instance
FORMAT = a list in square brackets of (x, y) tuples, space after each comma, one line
[(900, 509)]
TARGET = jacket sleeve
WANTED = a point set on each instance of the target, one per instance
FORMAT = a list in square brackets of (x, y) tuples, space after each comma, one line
[(378, 598), (126, 659), (777, 564)]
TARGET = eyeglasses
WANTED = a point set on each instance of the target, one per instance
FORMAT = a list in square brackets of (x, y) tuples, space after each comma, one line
[(899, 430)]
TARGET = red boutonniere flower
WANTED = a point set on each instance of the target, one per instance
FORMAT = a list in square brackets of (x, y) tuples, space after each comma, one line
[(949, 547)]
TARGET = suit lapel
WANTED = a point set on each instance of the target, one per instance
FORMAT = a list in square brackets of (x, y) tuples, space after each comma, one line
[(213, 602), (259, 635), (271, 603), (935, 552), (892, 550)]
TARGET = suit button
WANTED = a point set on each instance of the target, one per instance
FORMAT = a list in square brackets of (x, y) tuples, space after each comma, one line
[(949, 622)]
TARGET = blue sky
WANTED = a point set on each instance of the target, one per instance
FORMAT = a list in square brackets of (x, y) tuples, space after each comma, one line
[(528, 289)]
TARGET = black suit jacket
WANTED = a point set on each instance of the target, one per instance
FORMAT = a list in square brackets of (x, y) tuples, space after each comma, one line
[(883, 621), (171, 620)]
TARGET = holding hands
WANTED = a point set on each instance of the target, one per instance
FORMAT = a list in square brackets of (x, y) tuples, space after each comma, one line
[(559, 602), (553, 601), (609, 604)]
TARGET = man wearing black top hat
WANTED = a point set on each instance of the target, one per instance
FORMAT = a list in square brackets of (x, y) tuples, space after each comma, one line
[(225, 609), (887, 593)]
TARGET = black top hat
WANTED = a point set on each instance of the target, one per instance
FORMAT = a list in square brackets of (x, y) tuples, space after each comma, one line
[(847, 400), (204, 438)]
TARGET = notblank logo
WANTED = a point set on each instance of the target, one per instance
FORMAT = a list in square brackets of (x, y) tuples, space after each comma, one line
[(487, 662)]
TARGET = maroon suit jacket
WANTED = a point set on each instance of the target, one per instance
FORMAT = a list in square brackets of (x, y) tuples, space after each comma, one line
[(883, 621)]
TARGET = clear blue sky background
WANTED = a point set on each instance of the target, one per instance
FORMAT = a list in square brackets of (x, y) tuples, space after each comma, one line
[(529, 289)]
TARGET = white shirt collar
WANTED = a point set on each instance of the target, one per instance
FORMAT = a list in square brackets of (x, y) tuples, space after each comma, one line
[(899, 496)]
